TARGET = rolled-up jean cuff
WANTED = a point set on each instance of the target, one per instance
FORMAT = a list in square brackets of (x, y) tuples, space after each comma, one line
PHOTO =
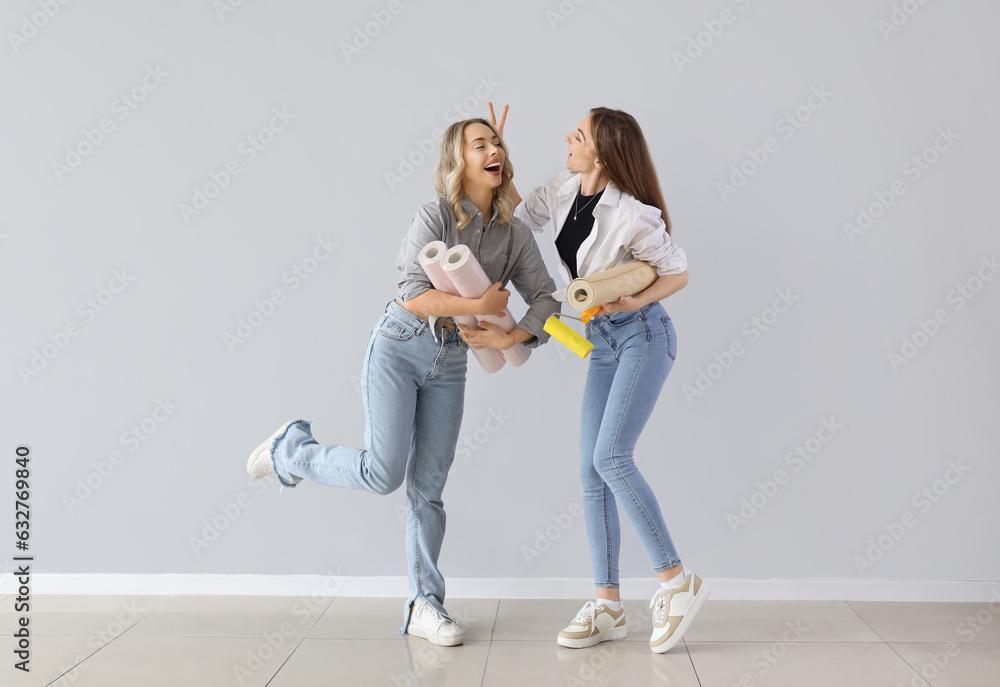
[(274, 443)]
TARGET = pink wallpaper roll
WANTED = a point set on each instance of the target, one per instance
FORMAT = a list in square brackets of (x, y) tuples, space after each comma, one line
[(430, 259), (465, 272)]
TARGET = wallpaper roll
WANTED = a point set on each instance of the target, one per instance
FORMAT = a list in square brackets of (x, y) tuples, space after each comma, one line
[(430, 259), (468, 276), (604, 287)]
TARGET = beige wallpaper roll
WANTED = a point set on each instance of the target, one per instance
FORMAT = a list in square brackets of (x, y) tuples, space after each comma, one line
[(604, 287)]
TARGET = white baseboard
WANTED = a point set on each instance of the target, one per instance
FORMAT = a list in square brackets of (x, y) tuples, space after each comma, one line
[(506, 588)]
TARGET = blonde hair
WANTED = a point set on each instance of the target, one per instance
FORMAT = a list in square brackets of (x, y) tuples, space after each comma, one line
[(450, 173)]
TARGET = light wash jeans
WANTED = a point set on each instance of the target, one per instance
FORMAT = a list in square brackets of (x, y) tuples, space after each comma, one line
[(413, 390), (633, 353)]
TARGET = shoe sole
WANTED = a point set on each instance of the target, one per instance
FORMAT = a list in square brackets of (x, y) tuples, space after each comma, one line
[(266, 446), (605, 636), (696, 604), (434, 639)]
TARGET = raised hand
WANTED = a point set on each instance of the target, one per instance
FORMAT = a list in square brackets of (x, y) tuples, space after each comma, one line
[(503, 118)]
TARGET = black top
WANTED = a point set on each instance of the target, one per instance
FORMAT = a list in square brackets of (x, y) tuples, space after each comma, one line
[(575, 231)]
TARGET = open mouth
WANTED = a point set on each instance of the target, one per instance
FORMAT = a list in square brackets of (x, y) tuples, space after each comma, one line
[(493, 168)]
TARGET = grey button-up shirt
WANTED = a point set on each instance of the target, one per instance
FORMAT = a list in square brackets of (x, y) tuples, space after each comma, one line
[(523, 265)]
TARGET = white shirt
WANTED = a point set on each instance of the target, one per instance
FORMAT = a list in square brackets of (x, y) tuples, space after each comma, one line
[(624, 230)]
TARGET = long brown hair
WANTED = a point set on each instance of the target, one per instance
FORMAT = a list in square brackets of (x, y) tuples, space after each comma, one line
[(623, 152)]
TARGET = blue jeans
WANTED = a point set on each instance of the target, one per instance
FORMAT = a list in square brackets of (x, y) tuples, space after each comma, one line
[(413, 390), (633, 353)]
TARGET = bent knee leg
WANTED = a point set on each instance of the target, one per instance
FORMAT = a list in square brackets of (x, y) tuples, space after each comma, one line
[(386, 476), (613, 467), (387, 483)]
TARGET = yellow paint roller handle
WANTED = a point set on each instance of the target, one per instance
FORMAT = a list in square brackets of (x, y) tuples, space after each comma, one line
[(565, 335)]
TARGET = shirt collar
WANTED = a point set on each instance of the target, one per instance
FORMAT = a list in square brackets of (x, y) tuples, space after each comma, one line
[(611, 196), (473, 211)]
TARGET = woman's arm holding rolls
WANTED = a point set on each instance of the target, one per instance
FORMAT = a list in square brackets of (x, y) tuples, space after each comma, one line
[(666, 285), (416, 291), (651, 243)]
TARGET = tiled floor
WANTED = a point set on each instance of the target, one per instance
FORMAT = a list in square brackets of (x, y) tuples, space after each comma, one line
[(112, 641)]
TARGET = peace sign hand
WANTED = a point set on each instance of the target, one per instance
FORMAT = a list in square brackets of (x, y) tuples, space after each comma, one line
[(503, 118)]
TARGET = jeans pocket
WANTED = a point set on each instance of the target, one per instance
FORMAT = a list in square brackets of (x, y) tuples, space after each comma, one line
[(668, 330), (620, 319), (392, 328)]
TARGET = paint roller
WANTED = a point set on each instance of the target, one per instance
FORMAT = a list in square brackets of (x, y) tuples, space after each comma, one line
[(430, 260), (564, 334), (590, 293)]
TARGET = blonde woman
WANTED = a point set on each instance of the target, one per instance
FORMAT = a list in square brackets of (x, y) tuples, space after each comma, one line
[(413, 375), (606, 209)]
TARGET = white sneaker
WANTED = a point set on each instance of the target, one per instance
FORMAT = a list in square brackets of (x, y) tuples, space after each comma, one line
[(428, 623), (260, 464), (593, 624), (673, 611)]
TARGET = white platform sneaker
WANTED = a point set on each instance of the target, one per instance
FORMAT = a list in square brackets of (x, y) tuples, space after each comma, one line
[(260, 464), (428, 623), (593, 624), (673, 611)]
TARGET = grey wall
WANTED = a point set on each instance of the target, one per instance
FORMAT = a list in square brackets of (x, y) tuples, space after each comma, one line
[(358, 116)]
